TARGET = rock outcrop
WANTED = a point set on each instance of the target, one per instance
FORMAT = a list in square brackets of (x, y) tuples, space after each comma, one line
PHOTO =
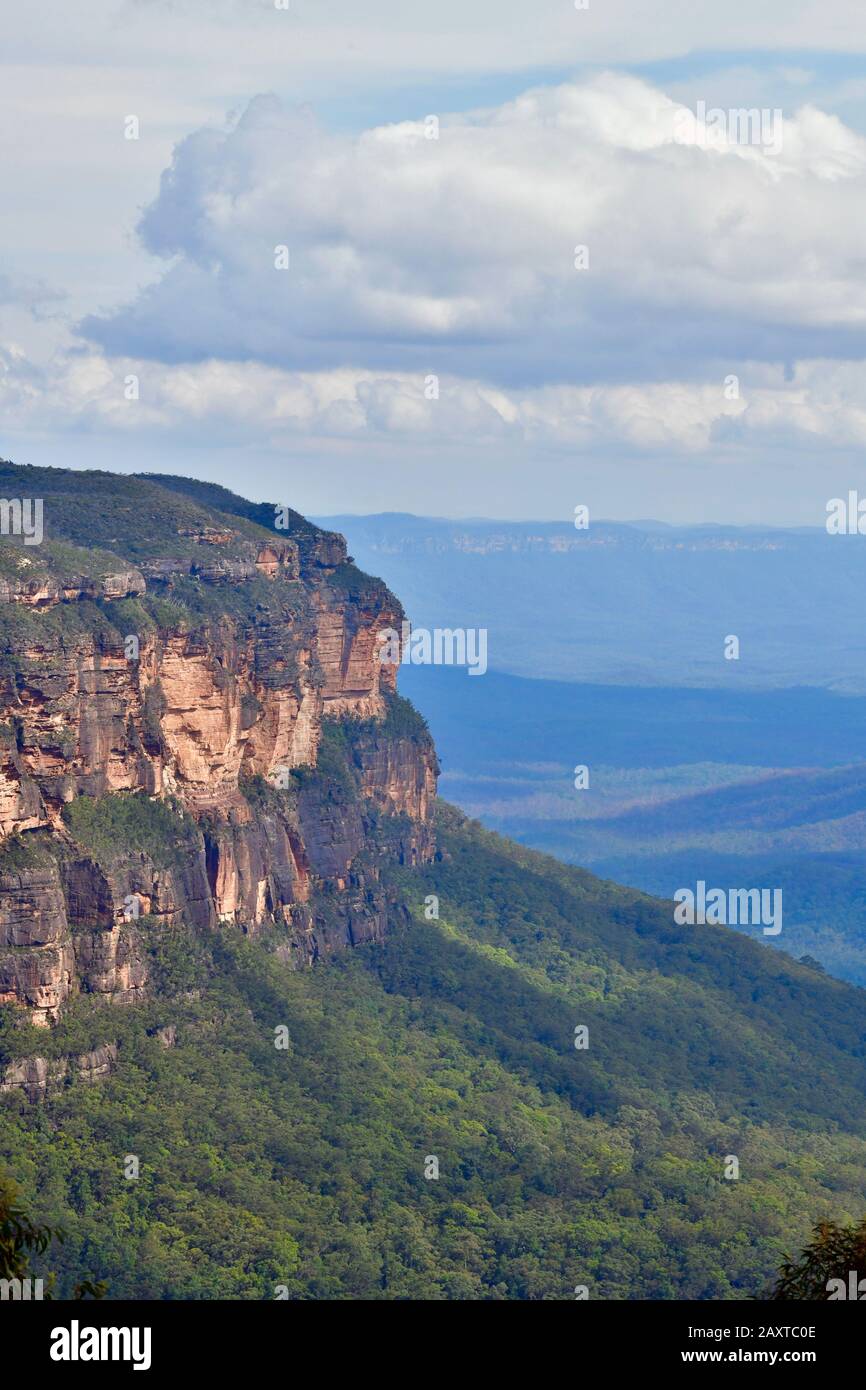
[(36, 1076), (162, 728)]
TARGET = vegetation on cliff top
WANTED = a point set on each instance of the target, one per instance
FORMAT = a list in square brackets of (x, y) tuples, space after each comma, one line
[(126, 516), (221, 499), (97, 524)]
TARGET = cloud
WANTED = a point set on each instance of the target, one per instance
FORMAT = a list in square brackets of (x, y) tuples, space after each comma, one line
[(26, 292), (820, 405), (448, 37), (456, 254), (709, 256)]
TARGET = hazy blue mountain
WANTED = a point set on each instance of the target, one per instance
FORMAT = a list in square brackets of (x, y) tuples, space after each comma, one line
[(637, 604), (606, 649), (749, 789)]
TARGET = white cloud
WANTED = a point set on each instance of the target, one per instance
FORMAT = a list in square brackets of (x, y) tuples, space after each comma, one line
[(457, 254), (450, 36), (822, 404)]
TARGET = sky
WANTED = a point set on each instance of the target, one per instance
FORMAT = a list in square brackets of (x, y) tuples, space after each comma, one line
[(456, 259)]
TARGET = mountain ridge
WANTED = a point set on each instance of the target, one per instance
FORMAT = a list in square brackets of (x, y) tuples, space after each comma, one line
[(616, 604), (520, 1080)]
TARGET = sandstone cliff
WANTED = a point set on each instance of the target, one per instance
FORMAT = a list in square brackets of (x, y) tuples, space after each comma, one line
[(194, 726)]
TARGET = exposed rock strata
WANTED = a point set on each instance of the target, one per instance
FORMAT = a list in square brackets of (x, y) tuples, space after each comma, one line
[(36, 1076), (195, 715)]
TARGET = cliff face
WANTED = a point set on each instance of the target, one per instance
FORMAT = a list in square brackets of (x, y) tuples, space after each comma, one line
[(194, 725)]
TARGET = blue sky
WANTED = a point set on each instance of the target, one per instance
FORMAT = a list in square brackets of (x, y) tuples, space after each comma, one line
[(431, 344), (778, 77)]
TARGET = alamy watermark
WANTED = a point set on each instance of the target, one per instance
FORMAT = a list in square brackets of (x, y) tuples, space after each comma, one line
[(22, 1290), (444, 646), (22, 516), (716, 129), (855, 1291), (846, 516), (729, 907), (77, 1343)]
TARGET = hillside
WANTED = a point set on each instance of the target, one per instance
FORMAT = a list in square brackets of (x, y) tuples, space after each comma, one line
[(606, 649), (754, 787), (331, 1053), (454, 1038)]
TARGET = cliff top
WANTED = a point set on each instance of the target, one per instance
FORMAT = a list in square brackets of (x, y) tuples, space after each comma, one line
[(86, 534)]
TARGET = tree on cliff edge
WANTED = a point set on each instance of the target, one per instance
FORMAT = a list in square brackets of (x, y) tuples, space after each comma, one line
[(823, 1272), (20, 1238)]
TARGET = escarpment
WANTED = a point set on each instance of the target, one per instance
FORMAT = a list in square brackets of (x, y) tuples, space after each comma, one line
[(195, 727)]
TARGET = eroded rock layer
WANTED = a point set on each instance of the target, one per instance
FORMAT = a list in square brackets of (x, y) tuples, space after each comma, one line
[(196, 727)]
